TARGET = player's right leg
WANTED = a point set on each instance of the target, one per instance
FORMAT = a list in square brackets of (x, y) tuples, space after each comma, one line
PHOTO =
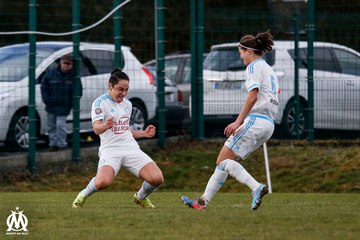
[(144, 203), (103, 179), (82, 196), (79, 200), (216, 181)]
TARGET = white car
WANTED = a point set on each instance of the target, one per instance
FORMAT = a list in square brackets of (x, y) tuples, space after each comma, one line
[(97, 61), (336, 85)]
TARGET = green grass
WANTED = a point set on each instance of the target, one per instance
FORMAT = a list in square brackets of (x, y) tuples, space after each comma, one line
[(296, 166), (113, 215), (316, 196)]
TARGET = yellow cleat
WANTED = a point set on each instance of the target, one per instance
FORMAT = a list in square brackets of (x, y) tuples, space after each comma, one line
[(79, 201), (145, 203)]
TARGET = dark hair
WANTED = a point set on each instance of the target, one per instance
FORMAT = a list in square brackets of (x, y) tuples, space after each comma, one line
[(263, 42), (117, 75), (67, 57)]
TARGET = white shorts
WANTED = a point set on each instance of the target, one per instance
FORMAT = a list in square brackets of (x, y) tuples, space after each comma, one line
[(133, 159), (254, 132)]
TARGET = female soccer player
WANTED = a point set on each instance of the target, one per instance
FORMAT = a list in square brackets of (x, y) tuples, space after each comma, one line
[(110, 118), (252, 128)]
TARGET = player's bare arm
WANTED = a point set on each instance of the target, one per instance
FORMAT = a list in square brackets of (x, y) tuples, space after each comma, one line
[(99, 126), (149, 132), (248, 105)]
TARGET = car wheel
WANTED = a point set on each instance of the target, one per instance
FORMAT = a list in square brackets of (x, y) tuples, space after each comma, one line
[(18, 133), (288, 122), (138, 117)]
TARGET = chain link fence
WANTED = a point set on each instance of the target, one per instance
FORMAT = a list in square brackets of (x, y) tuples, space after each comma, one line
[(336, 63)]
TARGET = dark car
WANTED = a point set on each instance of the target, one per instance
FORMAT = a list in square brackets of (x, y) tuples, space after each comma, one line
[(175, 111)]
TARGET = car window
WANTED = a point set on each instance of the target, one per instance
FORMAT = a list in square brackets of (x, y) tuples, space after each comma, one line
[(98, 61), (186, 77), (171, 68), (323, 59), (349, 62), (224, 59), (269, 57), (83, 70), (14, 63)]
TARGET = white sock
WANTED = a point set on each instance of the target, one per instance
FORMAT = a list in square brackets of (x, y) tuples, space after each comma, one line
[(215, 182), (237, 171), (145, 190), (89, 189)]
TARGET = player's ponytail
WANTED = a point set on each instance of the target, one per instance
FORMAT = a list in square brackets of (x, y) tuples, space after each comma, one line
[(263, 42)]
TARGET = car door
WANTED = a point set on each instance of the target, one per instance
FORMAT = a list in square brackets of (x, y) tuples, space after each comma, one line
[(349, 81), (329, 93), (40, 105), (97, 65)]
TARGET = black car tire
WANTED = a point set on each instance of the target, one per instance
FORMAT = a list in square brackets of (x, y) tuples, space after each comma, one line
[(138, 116), (18, 133), (288, 121)]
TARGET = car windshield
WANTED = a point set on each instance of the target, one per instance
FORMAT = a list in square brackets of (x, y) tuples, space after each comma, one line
[(14, 61), (224, 59)]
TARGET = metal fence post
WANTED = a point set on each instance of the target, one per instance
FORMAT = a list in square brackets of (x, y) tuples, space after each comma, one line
[(310, 74), (31, 110), (197, 48), (296, 73), (117, 34), (160, 66), (76, 83)]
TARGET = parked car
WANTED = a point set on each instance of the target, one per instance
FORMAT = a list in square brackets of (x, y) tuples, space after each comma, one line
[(175, 111), (178, 70), (336, 84), (97, 61)]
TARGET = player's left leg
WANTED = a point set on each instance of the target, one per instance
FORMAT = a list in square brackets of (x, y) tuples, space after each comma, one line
[(153, 178)]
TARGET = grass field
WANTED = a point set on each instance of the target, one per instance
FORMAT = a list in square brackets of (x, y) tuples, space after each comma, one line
[(113, 215), (296, 166), (316, 196)]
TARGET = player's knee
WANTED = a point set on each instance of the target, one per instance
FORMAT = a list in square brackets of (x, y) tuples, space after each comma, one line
[(221, 164), (102, 183), (157, 180)]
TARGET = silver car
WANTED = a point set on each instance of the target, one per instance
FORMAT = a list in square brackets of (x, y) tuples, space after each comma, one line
[(174, 110), (336, 85), (178, 70), (97, 61)]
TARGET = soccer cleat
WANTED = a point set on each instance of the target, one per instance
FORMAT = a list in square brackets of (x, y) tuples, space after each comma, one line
[(145, 203), (193, 203), (258, 194), (79, 201)]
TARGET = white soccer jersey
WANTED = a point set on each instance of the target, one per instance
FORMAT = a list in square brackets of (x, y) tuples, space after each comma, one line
[(120, 135), (260, 75)]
